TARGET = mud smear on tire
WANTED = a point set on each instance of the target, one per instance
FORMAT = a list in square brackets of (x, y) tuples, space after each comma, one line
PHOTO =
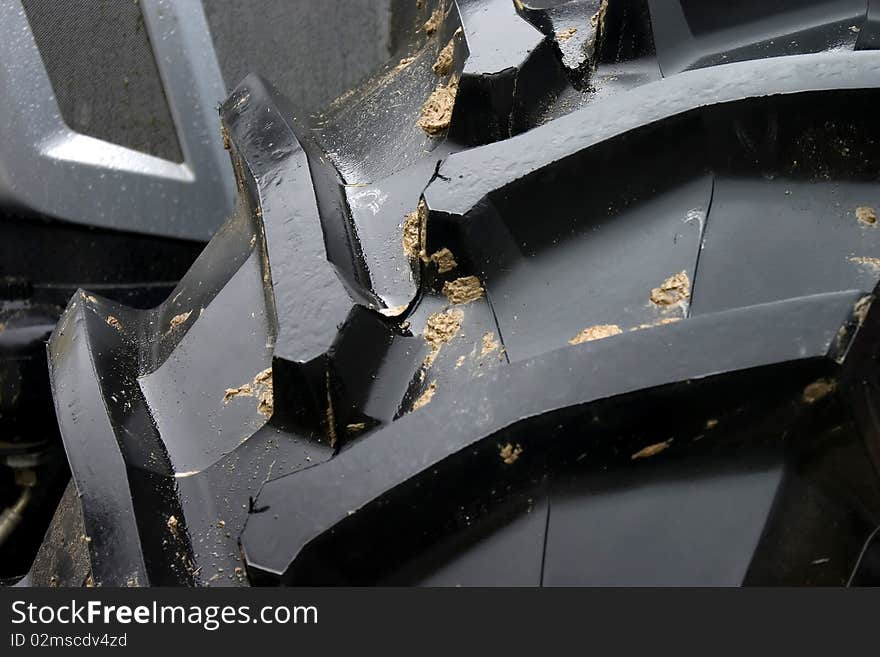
[(415, 232), (866, 215), (564, 35), (490, 344), (444, 60), (440, 329), (425, 398), (818, 390), (510, 453), (444, 260), (260, 387), (866, 261), (673, 291), (463, 290), (436, 113), (596, 332), (651, 450)]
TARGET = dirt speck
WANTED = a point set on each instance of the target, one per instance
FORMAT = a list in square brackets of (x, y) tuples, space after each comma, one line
[(224, 133), (426, 397), (510, 453), (355, 427), (177, 320), (463, 290), (651, 450), (596, 332), (444, 260), (436, 19), (712, 423), (866, 215), (440, 329), (444, 60), (817, 390), (673, 290), (460, 361), (415, 232), (112, 321), (564, 35), (436, 113), (490, 344), (172, 524)]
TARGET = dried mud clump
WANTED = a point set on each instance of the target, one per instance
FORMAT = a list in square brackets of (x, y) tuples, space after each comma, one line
[(596, 332), (866, 215), (463, 290), (564, 35), (436, 113), (241, 391), (260, 387), (444, 60), (439, 330), (817, 390), (444, 260), (426, 397), (672, 291), (490, 344), (651, 450), (436, 19), (865, 261), (264, 392), (414, 232), (510, 453)]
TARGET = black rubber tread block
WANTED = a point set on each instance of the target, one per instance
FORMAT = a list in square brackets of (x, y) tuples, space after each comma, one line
[(790, 179), (697, 33), (505, 72), (574, 26), (409, 470)]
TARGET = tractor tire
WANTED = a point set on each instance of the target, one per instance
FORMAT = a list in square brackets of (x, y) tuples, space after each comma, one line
[(569, 293)]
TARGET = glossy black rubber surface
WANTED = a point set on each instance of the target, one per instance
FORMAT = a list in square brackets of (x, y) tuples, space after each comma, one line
[(652, 362)]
